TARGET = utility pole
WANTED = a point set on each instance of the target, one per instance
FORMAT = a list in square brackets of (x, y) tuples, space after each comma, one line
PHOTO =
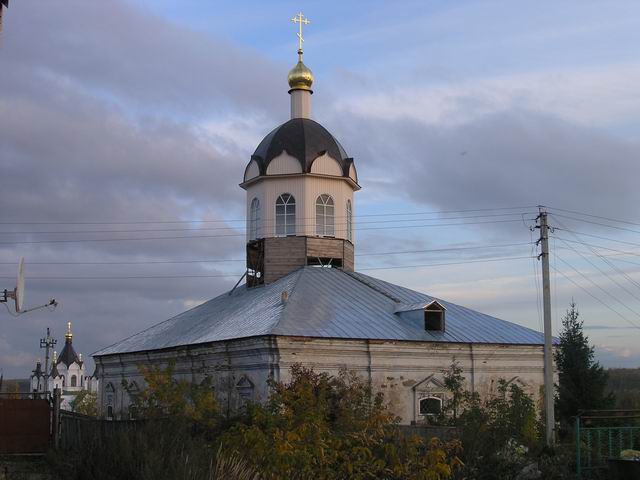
[(548, 351), (47, 343)]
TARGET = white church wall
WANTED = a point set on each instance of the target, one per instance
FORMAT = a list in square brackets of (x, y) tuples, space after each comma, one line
[(408, 371), (326, 165), (284, 164), (305, 189), (252, 170), (339, 190), (239, 370), (404, 371)]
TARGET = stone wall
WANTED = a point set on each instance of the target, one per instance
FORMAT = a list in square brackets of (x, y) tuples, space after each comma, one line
[(404, 371)]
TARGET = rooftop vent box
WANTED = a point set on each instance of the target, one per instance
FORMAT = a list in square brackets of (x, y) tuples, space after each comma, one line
[(434, 317), (430, 316)]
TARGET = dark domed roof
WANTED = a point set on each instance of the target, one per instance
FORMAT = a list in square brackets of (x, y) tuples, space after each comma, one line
[(303, 139), (68, 355)]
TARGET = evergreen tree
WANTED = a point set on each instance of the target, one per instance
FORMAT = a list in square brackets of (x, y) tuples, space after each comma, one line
[(582, 381)]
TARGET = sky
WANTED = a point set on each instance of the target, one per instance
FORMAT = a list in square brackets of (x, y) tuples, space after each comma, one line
[(125, 131)]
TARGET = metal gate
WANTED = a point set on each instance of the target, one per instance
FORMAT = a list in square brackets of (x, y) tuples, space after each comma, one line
[(601, 435), (25, 425)]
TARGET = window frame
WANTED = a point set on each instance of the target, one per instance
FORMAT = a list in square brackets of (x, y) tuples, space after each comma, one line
[(254, 218), (288, 218), (325, 222), (349, 221), (427, 398)]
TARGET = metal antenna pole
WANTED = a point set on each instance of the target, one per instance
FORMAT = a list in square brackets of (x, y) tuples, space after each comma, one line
[(47, 343), (548, 351)]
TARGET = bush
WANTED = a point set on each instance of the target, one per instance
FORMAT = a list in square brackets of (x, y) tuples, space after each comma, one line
[(332, 428), (315, 426), (503, 434)]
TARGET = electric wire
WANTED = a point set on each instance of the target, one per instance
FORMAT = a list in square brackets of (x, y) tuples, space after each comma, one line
[(595, 216), (140, 222), (620, 252), (599, 237), (595, 223), (604, 273), (597, 299), (612, 266), (225, 260), (264, 225), (146, 277), (85, 240), (599, 287)]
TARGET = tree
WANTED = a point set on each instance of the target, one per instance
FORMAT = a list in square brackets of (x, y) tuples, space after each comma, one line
[(582, 382), (167, 397), (86, 403)]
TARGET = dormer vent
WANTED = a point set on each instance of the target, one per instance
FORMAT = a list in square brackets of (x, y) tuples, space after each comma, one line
[(434, 314), (285, 297)]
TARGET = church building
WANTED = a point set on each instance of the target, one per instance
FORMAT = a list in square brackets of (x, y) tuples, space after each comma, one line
[(304, 302), (67, 373)]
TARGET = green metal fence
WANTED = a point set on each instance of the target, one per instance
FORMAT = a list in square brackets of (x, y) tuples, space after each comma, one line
[(597, 443)]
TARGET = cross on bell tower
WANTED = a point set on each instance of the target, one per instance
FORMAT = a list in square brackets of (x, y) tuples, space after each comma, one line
[(300, 20)]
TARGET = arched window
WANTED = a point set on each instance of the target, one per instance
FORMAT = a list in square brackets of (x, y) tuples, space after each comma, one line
[(286, 215), (325, 225), (430, 406), (349, 222), (254, 219), (63, 381), (74, 381)]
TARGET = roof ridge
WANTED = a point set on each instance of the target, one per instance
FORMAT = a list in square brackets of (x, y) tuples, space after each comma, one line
[(356, 276)]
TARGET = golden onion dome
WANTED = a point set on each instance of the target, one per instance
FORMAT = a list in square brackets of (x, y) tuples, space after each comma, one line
[(300, 77)]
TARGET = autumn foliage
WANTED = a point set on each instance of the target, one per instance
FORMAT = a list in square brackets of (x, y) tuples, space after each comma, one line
[(313, 426), (325, 427)]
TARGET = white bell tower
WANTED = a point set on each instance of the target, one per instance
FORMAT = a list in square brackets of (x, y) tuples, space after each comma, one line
[(300, 184)]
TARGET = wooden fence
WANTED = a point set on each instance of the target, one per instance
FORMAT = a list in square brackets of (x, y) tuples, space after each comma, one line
[(76, 430)]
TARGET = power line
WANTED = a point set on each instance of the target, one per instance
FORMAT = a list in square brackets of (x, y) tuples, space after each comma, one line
[(443, 264), (395, 227), (612, 266), (596, 298), (141, 222), (225, 260), (598, 237), (595, 216), (596, 223), (605, 273), (262, 227), (621, 252), (599, 287), (147, 277)]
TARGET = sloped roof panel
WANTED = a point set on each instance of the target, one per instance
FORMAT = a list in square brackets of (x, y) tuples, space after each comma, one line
[(322, 303)]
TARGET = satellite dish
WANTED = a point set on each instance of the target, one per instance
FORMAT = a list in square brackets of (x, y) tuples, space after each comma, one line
[(19, 291)]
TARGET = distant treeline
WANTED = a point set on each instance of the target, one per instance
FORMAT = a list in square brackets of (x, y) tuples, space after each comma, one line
[(625, 384)]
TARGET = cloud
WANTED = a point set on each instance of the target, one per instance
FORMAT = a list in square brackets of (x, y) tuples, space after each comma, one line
[(115, 115), (587, 96), (513, 158), (132, 57)]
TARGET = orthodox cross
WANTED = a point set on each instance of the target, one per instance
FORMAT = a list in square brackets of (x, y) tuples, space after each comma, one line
[(300, 20)]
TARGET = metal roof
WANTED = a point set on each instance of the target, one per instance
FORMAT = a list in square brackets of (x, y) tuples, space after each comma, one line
[(304, 139), (322, 303)]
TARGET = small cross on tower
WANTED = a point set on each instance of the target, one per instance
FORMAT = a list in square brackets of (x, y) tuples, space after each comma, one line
[(300, 20)]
